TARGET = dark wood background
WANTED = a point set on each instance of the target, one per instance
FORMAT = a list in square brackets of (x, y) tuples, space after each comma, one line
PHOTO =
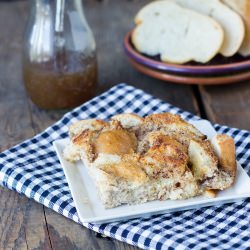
[(25, 224)]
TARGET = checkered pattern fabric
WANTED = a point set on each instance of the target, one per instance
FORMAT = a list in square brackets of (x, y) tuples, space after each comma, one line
[(32, 168)]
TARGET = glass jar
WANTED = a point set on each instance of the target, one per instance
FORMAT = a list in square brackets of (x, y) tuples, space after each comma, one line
[(59, 56)]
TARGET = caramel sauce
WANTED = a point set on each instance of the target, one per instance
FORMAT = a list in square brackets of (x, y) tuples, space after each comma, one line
[(60, 83), (117, 142)]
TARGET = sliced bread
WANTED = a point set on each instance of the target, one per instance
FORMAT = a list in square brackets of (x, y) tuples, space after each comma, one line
[(243, 8), (177, 34), (230, 21)]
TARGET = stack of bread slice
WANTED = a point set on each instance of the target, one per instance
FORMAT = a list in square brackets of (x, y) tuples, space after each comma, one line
[(133, 159), (185, 30), (242, 7)]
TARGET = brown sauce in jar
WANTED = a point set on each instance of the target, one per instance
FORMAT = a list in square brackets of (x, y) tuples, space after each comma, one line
[(63, 82)]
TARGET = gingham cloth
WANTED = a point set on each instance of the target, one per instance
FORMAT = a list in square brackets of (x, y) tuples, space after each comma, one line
[(32, 168)]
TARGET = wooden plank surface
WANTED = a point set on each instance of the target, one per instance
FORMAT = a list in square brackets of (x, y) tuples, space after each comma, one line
[(25, 224), (228, 105), (22, 221)]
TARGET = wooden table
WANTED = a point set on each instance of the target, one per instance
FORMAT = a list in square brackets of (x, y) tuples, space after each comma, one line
[(25, 224)]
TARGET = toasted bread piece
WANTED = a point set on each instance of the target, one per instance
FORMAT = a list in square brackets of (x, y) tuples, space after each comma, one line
[(166, 158), (79, 141), (174, 126), (243, 8), (128, 120), (214, 163), (225, 150), (222, 180), (129, 168), (176, 34), (115, 141), (72, 153), (210, 193), (157, 138), (90, 124), (204, 163), (231, 22)]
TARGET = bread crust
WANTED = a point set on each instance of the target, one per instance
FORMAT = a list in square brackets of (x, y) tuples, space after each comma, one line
[(224, 147), (210, 193), (80, 126)]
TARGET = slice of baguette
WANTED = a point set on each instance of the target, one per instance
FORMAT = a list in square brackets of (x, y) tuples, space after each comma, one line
[(179, 35), (224, 148), (230, 21), (213, 164), (243, 8)]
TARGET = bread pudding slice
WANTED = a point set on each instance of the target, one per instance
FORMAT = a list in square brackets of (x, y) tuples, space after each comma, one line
[(134, 160), (224, 149), (213, 163)]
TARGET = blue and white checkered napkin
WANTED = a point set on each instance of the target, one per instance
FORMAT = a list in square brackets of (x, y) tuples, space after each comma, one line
[(32, 168)]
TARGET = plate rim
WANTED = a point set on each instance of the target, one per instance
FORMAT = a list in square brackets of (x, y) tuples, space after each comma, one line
[(184, 79), (177, 68)]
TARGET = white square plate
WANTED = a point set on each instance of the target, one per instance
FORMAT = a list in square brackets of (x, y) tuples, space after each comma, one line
[(90, 208)]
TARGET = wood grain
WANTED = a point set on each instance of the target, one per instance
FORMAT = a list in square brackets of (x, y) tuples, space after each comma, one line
[(228, 105), (23, 223), (65, 234)]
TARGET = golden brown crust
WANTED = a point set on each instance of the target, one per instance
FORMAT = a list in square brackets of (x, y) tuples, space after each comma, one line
[(225, 150), (173, 125), (117, 142), (128, 117), (164, 118), (80, 139), (82, 125), (210, 193), (157, 138), (165, 158), (84, 141), (129, 168)]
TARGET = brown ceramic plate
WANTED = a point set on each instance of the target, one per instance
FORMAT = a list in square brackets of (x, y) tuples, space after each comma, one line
[(201, 80), (217, 66)]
